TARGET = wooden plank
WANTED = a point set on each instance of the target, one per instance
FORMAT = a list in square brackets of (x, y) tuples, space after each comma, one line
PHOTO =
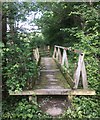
[(42, 92), (50, 76), (84, 76), (60, 47), (52, 91), (77, 51), (66, 75), (82, 92), (55, 92), (25, 92), (78, 71)]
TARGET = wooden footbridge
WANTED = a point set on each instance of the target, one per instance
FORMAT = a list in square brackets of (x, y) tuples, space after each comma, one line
[(55, 79)]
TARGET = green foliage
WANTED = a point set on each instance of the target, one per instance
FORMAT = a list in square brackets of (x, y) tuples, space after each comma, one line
[(20, 70), (89, 43), (21, 66), (37, 39), (85, 38), (22, 110), (83, 108)]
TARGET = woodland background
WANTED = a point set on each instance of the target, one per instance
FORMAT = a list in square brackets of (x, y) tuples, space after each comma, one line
[(75, 25)]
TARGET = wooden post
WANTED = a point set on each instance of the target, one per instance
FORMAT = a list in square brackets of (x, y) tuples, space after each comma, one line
[(84, 76), (70, 98), (59, 56), (36, 55), (54, 53), (64, 58), (80, 69), (32, 98), (77, 72), (48, 47)]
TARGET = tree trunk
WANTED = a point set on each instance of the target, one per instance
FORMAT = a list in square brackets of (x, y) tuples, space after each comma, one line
[(4, 29), (4, 40)]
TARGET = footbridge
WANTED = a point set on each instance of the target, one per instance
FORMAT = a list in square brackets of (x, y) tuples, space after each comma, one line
[(58, 75)]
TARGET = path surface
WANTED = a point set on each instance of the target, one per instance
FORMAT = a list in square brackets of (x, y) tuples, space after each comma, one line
[(52, 79), (54, 105)]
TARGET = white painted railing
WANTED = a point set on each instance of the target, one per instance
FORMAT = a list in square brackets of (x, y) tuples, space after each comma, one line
[(60, 55)]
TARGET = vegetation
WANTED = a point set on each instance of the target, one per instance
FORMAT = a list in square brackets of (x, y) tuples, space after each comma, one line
[(22, 110), (67, 24)]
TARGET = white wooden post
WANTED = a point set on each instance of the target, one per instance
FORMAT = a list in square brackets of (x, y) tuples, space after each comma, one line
[(64, 58), (36, 54), (54, 53), (80, 69), (77, 72), (84, 76), (59, 56)]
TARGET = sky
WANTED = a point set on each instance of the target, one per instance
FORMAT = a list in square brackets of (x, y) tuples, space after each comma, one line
[(28, 25)]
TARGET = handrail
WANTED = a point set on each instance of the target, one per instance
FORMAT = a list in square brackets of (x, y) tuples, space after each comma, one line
[(62, 59), (69, 48)]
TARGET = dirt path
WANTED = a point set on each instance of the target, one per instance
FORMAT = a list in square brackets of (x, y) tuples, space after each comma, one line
[(53, 105)]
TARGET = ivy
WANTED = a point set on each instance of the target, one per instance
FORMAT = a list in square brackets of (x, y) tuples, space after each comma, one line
[(23, 110), (83, 108)]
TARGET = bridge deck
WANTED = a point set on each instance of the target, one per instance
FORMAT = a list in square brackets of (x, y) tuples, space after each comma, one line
[(52, 82), (51, 77)]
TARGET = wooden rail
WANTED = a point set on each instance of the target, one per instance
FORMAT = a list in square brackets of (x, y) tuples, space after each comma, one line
[(62, 59)]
